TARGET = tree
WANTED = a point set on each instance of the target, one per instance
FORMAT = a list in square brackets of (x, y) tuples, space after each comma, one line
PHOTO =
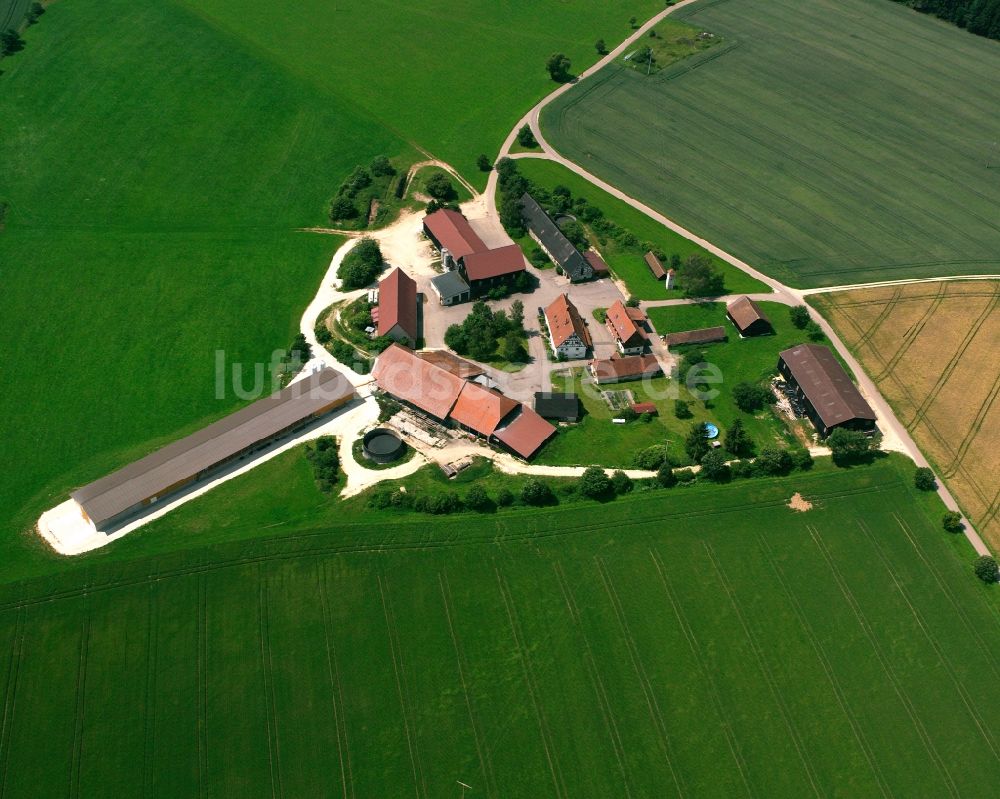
[(34, 12), (774, 461), (750, 397), (505, 498), (361, 265), (478, 500), (439, 187), (517, 315), (300, 351), (699, 278), (986, 569), (738, 441), (923, 479), (381, 167), (645, 57), (621, 483), (322, 454), (342, 208), (696, 443), (799, 314), (574, 231), (594, 483), (525, 137), (651, 458), (850, 446), (535, 492), (714, 466), (665, 476), (10, 42), (484, 163), (601, 48), (681, 409), (512, 349), (558, 66), (633, 22), (952, 521)]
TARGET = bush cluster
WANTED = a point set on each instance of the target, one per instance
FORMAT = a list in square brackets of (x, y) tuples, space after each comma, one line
[(478, 334), (322, 454), (361, 265), (360, 187)]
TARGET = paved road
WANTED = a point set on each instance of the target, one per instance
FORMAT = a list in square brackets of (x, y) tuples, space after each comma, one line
[(889, 423)]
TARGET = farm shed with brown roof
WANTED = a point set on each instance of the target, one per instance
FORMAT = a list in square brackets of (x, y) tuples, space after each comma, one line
[(705, 335), (447, 360), (481, 410), (749, 319), (825, 389), (525, 433), (123, 493), (655, 266), (397, 306), (618, 370), (491, 267), (415, 381), (598, 264)]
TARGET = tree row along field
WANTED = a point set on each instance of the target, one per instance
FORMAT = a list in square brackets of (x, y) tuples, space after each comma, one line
[(659, 647), (931, 349), (153, 202), (825, 143)]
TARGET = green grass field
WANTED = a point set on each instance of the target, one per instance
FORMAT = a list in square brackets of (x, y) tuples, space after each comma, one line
[(826, 143), (699, 641), (154, 198), (628, 263)]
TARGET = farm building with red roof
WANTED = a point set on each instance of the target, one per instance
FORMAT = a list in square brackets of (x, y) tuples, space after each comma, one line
[(525, 433), (417, 382), (452, 234), (626, 328), (397, 306), (488, 268), (568, 333)]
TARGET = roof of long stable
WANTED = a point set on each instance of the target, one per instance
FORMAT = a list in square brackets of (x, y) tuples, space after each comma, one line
[(826, 384), (494, 263), (480, 409), (704, 335), (526, 432), (186, 458), (553, 239), (453, 231), (397, 303), (655, 265), (414, 380), (630, 366), (451, 362), (564, 320)]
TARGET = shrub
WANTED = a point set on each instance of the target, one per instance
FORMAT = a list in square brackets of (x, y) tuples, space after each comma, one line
[(714, 466), (601, 47), (478, 500), (484, 163), (750, 397), (952, 521), (774, 461), (986, 569), (682, 410), (34, 12), (381, 167), (665, 476), (815, 332), (323, 456), (505, 498), (558, 66), (361, 265), (802, 459), (342, 208), (851, 446), (923, 479), (299, 351), (742, 468), (323, 334), (651, 458), (525, 137), (632, 302), (439, 187), (699, 278), (535, 492), (685, 476), (594, 483), (10, 42), (799, 314), (621, 482)]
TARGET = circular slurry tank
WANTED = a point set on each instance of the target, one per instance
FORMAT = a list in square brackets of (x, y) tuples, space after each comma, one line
[(382, 446)]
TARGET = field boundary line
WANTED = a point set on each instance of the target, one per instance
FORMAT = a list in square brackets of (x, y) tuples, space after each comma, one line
[(529, 679), (267, 677), (904, 699), (706, 672), (831, 675), (419, 783), (485, 760), (202, 679), (149, 716), (765, 670), (596, 682), (76, 757), (10, 697), (640, 672), (919, 619), (336, 691)]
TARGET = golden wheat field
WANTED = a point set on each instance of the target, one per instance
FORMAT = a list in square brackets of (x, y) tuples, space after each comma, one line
[(932, 350)]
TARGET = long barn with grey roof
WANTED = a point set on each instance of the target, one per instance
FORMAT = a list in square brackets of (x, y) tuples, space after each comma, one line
[(123, 493), (551, 239)]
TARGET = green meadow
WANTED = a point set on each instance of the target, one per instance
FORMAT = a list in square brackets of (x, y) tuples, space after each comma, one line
[(825, 143), (684, 642), (158, 162)]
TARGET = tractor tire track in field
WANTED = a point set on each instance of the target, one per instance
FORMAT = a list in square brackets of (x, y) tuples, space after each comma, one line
[(149, 700), (76, 756), (886, 665), (890, 305), (596, 681), (202, 684), (946, 591), (489, 540), (10, 697), (766, 673), (942, 657), (707, 673), (831, 676), (402, 691), (912, 334), (984, 408), (655, 714), (482, 752), (551, 756), (336, 689), (267, 675)]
